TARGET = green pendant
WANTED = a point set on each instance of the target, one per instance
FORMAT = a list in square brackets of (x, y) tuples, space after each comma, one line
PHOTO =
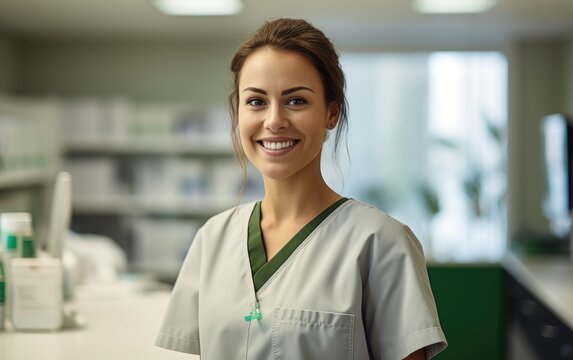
[(255, 313)]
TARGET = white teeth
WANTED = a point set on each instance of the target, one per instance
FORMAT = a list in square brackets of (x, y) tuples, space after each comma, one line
[(277, 145)]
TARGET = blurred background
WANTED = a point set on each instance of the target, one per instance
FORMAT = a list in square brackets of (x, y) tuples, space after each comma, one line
[(446, 107)]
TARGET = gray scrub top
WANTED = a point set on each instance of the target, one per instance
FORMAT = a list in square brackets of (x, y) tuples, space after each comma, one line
[(355, 288)]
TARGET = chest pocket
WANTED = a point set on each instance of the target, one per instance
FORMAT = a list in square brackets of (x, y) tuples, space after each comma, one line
[(309, 335)]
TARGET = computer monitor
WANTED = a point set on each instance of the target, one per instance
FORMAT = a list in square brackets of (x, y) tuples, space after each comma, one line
[(557, 136)]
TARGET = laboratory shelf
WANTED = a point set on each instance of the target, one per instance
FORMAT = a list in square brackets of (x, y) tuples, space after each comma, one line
[(197, 145), (132, 206), (25, 178)]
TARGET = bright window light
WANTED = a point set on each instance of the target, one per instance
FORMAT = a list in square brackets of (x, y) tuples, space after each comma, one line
[(198, 7), (453, 6), (429, 147)]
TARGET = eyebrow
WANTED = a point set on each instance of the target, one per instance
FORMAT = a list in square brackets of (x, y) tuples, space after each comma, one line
[(284, 92)]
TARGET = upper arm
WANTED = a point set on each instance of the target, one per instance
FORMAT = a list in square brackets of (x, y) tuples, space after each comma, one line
[(400, 315)]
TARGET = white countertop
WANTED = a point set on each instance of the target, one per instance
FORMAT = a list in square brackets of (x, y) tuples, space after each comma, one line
[(549, 278), (124, 325), (118, 327)]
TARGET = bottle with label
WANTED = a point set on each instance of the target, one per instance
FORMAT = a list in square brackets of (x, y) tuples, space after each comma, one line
[(36, 294), (15, 227), (16, 240)]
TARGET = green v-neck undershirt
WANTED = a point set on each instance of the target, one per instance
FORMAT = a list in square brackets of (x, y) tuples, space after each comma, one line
[(261, 269)]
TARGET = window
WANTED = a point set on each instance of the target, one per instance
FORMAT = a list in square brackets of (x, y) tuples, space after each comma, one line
[(427, 144)]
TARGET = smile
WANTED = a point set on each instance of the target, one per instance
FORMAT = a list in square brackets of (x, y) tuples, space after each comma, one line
[(277, 145)]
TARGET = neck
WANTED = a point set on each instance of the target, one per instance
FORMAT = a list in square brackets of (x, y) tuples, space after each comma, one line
[(301, 197)]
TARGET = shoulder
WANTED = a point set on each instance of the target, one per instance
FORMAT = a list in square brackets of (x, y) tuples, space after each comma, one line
[(229, 219), (368, 219), (376, 228)]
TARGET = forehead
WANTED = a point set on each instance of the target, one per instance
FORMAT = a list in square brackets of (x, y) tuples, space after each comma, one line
[(267, 68)]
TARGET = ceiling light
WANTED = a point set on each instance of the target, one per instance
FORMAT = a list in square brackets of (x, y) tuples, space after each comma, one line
[(453, 6), (198, 7)]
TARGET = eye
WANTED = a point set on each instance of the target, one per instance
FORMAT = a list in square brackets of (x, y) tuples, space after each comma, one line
[(297, 101), (256, 102)]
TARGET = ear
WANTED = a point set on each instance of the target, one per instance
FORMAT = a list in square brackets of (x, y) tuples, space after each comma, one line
[(332, 116)]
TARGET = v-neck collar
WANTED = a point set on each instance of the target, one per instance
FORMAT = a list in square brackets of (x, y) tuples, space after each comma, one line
[(261, 269)]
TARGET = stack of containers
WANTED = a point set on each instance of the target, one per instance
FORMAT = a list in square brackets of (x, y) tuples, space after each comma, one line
[(170, 181), (28, 135), (95, 179), (93, 119)]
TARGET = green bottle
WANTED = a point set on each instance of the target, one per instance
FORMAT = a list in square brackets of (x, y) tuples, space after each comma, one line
[(28, 249)]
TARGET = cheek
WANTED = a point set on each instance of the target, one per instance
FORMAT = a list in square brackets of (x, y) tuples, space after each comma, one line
[(246, 130), (242, 134)]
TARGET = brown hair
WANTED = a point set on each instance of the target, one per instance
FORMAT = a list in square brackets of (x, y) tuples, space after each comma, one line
[(303, 38)]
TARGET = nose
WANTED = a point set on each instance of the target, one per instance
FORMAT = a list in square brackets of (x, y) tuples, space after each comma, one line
[(275, 119)]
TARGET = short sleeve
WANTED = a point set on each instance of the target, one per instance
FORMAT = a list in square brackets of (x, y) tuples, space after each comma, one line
[(180, 328), (400, 313)]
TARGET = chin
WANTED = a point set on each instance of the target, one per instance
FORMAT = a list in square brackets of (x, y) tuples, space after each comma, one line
[(277, 172), (276, 175)]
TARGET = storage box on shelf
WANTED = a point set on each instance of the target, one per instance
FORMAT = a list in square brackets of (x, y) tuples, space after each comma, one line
[(29, 140), (29, 152)]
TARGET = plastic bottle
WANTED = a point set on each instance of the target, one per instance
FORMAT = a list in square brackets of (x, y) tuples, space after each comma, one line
[(36, 291), (28, 247), (14, 229)]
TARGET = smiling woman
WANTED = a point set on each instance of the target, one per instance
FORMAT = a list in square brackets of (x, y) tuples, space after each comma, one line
[(305, 273)]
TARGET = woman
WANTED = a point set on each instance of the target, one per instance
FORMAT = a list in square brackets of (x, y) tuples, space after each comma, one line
[(305, 273)]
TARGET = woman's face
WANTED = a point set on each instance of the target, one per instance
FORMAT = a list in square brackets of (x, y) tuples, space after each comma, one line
[(282, 113)]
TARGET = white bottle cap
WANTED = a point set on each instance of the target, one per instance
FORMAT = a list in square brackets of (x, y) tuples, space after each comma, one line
[(16, 222)]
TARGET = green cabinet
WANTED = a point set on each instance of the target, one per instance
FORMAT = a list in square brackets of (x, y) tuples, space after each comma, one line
[(471, 307)]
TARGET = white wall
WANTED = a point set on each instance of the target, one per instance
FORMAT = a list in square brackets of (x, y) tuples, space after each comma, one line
[(142, 70), (569, 77)]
